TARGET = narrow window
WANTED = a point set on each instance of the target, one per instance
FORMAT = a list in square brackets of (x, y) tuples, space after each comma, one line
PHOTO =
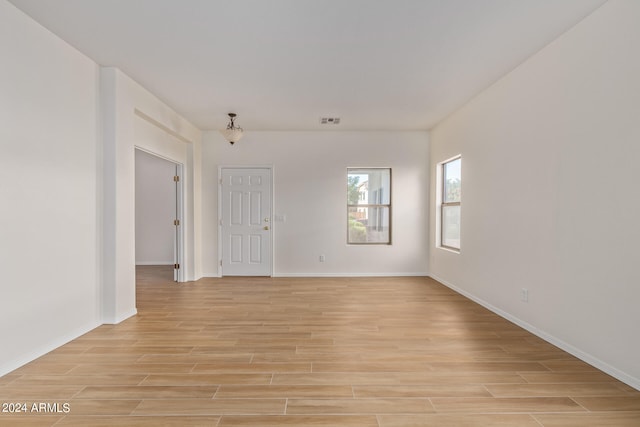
[(450, 204), (369, 206)]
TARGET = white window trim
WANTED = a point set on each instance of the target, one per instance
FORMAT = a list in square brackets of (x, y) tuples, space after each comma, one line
[(440, 204), (373, 205)]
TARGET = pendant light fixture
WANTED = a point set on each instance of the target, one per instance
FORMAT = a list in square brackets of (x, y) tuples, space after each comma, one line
[(232, 133)]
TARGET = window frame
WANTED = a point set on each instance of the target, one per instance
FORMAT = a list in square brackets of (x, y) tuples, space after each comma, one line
[(371, 205), (444, 204)]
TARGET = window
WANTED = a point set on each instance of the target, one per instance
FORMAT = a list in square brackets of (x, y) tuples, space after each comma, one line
[(450, 203), (369, 206)]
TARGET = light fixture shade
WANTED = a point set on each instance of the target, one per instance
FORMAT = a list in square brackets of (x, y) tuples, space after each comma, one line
[(232, 135)]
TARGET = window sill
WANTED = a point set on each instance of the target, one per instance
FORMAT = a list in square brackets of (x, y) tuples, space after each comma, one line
[(452, 250)]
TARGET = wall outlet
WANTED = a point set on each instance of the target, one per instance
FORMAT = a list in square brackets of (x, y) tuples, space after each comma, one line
[(322, 258), (524, 296)]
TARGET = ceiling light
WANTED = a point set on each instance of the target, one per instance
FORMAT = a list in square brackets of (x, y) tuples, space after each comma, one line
[(329, 120), (232, 133)]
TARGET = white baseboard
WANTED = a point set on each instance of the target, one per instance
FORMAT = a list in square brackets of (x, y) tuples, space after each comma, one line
[(586, 357), (302, 275), (395, 274), (119, 317), (154, 263), (12, 365), (211, 275)]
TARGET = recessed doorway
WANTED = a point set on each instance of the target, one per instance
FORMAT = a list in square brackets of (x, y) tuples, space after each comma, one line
[(158, 240)]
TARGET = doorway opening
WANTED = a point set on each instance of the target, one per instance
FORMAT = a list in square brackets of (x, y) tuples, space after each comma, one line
[(158, 212)]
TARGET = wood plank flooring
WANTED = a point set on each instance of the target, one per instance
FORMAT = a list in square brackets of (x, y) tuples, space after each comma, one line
[(383, 352)]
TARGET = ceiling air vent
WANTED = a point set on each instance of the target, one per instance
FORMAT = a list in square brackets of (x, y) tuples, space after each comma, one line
[(330, 120)]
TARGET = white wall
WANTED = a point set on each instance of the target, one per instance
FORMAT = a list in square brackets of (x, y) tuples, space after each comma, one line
[(550, 198), (155, 210), (133, 117), (49, 240), (309, 175), (68, 129)]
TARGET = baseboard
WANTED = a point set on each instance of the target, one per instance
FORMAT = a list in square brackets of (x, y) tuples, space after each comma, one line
[(212, 275), (154, 263), (12, 365), (586, 357), (395, 274), (119, 317), (302, 275)]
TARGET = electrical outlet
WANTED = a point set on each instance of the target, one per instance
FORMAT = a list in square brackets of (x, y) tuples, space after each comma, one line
[(322, 258), (525, 295)]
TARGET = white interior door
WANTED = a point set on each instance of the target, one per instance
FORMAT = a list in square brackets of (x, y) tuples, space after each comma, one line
[(246, 221)]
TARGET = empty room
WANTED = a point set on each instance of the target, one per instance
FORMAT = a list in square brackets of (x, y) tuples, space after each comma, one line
[(320, 213)]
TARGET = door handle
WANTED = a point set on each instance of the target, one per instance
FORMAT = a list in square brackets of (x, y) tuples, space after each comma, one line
[(266, 227)]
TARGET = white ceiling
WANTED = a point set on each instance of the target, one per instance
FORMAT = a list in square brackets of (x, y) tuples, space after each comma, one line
[(283, 64)]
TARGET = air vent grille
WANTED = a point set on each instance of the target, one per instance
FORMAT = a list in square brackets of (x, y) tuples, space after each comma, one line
[(330, 120)]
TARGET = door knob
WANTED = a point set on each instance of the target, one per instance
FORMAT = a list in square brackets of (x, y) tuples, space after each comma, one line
[(266, 227)]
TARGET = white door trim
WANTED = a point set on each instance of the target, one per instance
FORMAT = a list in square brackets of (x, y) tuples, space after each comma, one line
[(179, 274), (220, 206)]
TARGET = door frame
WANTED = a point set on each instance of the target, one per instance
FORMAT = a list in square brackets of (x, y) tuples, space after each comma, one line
[(179, 273), (270, 168)]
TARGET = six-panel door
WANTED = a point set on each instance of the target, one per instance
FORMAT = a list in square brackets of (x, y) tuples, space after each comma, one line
[(246, 222)]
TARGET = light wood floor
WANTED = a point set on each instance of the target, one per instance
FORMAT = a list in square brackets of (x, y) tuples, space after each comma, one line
[(382, 352)]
